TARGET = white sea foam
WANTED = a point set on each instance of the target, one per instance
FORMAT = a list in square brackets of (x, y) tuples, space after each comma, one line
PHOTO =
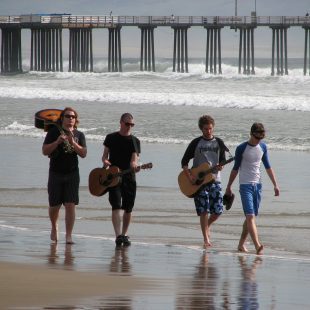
[(211, 99), (21, 130)]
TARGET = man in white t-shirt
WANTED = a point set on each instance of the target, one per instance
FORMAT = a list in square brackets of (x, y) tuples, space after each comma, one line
[(248, 158)]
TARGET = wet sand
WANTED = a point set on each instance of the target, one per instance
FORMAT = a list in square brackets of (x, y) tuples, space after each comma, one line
[(35, 286), (94, 274)]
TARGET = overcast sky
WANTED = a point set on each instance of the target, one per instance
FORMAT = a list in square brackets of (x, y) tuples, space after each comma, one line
[(156, 7), (163, 35)]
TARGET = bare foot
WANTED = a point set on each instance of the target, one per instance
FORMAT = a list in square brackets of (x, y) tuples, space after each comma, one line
[(207, 244), (54, 234), (242, 249), (69, 240), (260, 250)]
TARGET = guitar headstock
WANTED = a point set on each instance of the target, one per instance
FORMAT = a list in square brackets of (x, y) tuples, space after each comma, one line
[(146, 166), (229, 160)]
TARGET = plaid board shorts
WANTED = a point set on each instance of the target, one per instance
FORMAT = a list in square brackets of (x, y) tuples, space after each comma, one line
[(209, 199)]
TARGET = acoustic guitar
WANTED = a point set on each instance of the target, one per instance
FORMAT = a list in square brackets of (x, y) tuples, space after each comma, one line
[(101, 179), (203, 175), (45, 118)]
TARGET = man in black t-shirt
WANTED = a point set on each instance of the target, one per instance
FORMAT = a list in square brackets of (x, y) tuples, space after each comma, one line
[(122, 149), (63, 144)]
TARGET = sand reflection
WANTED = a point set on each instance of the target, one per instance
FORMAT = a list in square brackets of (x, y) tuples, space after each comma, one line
[(119, 264), (120, 261), (248, 286), (54, 258), (200, 291)]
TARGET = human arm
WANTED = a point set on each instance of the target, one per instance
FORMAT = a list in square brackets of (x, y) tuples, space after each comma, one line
[(232, 177), (80, 149), (52, 139), (188, 155), (189, 175), (234, 172), (105, 157), (134, 162), (272, 177), (48, 149)]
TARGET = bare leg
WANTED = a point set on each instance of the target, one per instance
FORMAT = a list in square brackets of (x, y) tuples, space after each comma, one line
[(212, 219), (244, 235), (126, 222), (116, 221), (53, 213), (70, 220), (204, 229), (250, 219)]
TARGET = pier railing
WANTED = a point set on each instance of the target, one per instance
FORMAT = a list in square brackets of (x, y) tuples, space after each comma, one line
[(68, 21)]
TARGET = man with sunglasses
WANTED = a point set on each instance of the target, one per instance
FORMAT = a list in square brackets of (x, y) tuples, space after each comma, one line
[(248, 158), (122, 149), (63, 144)]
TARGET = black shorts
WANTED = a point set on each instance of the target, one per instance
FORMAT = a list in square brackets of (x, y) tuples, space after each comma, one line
[(63, 188), (123, 196)]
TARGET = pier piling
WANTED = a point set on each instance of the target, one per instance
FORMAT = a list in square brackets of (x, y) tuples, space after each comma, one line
[(80, 50), (307, 50), (246, 50), (147, 54), (46, 49), (180, 49), (279, 44), (213, 50), (115, 52), (11, 51)]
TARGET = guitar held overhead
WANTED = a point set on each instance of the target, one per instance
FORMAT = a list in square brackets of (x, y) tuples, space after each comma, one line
[(203, 175), (101, 179), (45, 118)]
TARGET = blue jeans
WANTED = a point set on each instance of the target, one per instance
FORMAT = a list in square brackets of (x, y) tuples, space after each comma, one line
[(250, 197)]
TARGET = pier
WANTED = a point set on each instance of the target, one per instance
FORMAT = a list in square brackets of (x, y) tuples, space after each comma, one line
[(46, 41)]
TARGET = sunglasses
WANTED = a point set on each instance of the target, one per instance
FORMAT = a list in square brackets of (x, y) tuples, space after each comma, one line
[(69, 116), (129, 124), (258, 134)]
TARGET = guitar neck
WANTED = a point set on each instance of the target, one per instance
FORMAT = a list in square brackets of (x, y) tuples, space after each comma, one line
[(119, 174), (212, 169)]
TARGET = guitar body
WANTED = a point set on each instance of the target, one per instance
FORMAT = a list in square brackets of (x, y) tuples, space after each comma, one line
[(101, 179), (203, 175), (45, 118), (189, 189)]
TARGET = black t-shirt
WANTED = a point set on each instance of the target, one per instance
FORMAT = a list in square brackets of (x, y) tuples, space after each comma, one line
[(121, 149), (60, 161)]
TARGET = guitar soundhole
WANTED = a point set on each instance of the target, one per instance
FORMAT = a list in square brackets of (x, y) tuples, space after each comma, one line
[(105, 182), (198, 181), (200, 176)]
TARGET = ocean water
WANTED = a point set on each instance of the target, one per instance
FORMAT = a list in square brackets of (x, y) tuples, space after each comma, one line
[(166, 107)]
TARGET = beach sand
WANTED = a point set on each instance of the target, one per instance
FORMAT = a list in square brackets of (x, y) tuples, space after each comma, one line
[(26, 286), (94, 274), (166, 267)]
